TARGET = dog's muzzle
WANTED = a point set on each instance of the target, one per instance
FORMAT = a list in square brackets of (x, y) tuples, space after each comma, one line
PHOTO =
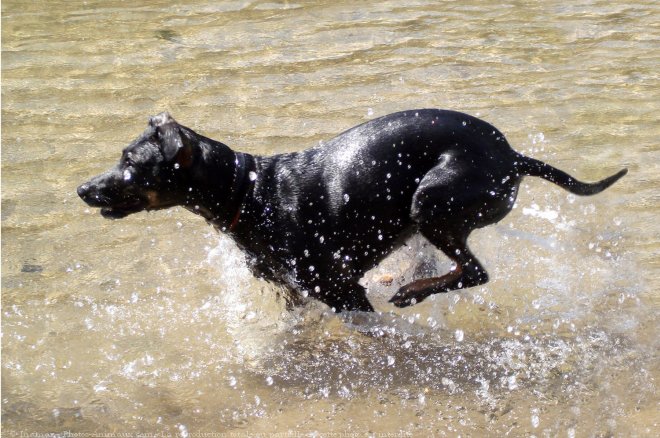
[(112, 205)]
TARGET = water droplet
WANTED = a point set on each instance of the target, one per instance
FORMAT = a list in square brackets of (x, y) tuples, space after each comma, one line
[(321, 239), (464, 123), (390, 360), (269, 380), (311, 268), (317, 289), (252, 176), (535, 418), (127, 175), (370, 112), (511, 381), (232, 381), (458, 335), (177, 165), (389, 175), (346, 197)]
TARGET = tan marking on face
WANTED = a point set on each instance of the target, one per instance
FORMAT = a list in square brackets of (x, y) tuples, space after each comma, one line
[(153, 199)]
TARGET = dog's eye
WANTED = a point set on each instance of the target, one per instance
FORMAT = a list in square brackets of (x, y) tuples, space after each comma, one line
[(128, 159)]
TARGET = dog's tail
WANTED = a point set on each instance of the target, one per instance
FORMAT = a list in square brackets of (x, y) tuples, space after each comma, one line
[(529, 166)]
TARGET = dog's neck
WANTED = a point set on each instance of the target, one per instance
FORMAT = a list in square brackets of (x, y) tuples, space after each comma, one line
[(220, 167), (244, 176)]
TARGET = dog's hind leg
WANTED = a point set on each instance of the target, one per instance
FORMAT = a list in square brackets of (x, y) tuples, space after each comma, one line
[(467, 272), (450, 202)]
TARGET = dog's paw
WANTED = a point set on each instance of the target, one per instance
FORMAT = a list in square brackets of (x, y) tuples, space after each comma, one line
[(405, 297)]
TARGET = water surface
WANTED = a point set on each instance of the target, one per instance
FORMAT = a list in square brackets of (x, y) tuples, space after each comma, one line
[(152, 324)]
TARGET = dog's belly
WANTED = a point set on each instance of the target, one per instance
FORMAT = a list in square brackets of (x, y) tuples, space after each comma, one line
[(337, 251)]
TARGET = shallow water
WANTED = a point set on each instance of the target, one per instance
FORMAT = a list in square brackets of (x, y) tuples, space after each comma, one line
[(152, 324)]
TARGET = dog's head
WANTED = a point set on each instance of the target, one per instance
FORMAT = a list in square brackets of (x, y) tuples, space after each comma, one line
[(150, 174)]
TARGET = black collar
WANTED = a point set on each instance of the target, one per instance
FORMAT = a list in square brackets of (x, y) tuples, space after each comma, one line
[(244, 177)]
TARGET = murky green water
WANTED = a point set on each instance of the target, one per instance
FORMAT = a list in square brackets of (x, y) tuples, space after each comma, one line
[(153, 325)]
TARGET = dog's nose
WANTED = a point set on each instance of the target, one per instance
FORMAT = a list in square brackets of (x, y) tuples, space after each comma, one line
[(83, 189)]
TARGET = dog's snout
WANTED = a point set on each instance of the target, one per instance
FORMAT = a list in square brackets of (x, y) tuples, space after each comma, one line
[(83, 190), (89, 192)]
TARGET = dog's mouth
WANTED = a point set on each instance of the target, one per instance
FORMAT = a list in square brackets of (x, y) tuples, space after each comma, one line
[(122, 210)]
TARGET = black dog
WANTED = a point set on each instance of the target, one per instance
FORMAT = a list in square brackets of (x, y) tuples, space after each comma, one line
[(317, 220)]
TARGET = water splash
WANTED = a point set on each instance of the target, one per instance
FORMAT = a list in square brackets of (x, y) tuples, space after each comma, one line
[(250, 307)]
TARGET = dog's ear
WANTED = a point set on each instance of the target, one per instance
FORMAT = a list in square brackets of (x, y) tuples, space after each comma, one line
[(170, 141), (169, 133)]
